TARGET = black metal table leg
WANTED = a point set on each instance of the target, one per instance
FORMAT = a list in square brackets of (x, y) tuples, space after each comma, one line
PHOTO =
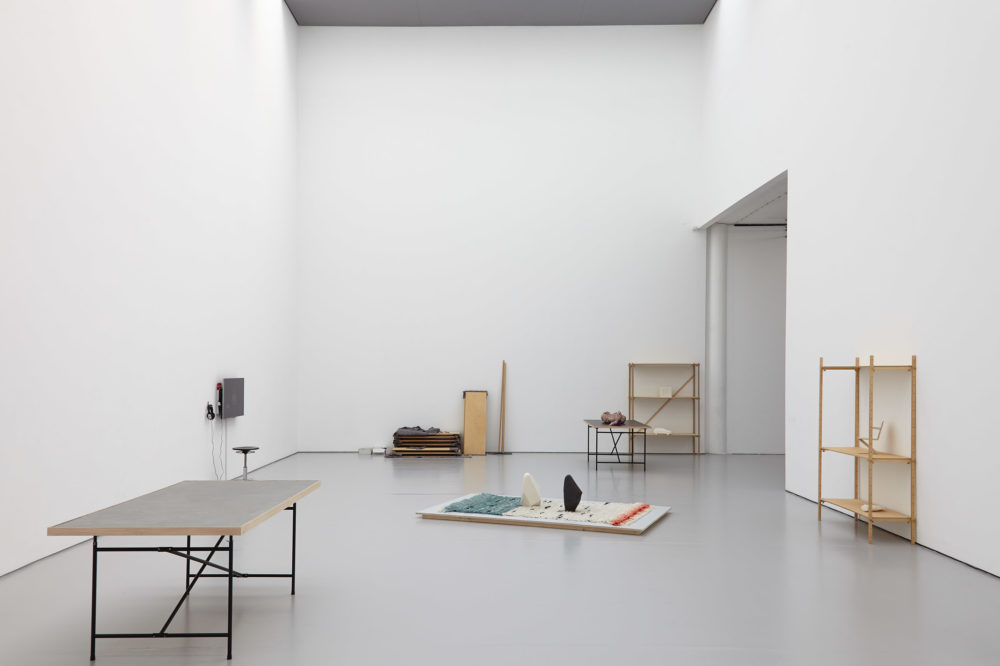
[(614, 444), (185, 550), (229, 626), (294, 514), (93, 606), (187, 590)]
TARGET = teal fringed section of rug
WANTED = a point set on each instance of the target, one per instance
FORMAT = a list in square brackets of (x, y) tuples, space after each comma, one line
[(493, 505)]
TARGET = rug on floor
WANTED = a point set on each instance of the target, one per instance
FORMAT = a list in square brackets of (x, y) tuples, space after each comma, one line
[(493, 505), (591, 516), (608, 513)]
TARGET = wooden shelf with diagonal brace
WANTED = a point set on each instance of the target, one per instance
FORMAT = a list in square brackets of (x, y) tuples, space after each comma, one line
[(684, 393), (864, 451)]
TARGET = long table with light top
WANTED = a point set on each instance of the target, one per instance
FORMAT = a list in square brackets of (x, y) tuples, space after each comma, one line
[(225, 509)]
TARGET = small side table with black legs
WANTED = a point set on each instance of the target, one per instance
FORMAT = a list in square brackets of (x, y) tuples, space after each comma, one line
[(615, 431)]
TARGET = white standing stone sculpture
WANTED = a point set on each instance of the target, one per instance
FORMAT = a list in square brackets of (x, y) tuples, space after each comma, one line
[(531, 495)]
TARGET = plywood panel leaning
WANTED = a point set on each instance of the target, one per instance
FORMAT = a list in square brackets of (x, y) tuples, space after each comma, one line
[(474, 436)]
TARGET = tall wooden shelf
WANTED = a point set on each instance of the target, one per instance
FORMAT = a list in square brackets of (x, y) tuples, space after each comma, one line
[(863, 448), (684, 419)]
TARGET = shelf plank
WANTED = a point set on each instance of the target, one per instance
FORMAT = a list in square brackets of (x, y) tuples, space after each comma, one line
[(862, 452), (665, 365), (666, 397), (854, 506), (673, 434), (865, 366)]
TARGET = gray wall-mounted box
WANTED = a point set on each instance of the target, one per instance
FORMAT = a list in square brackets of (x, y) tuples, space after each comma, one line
[(232, 397)]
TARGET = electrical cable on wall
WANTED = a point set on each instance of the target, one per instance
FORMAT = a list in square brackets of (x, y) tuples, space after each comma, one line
[(221, 459), (217, 455), (215, 466)]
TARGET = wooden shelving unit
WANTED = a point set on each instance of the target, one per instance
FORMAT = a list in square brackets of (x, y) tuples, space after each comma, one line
[(685, 382), (861, 451)]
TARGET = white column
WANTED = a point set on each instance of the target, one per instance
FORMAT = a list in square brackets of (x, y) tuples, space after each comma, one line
[(714, 438)]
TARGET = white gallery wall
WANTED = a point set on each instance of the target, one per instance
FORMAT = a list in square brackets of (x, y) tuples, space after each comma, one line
[(755, 340), (884, 115), (470, 195), (146, 216), (365, 222)]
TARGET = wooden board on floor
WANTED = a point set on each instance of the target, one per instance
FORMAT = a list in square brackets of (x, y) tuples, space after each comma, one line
[(425, 448), (636, 527), (413, 451), (425, 445), (503, 406), (474, 436), (424, 452)]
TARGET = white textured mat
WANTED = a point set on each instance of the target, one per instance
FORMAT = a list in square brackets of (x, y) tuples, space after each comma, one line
[(587, 512)]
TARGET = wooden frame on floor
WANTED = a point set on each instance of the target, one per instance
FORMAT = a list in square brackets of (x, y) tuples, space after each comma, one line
[(636, 527)]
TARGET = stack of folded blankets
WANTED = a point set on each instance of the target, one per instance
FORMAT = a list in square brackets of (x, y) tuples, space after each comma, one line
[(416, 441)]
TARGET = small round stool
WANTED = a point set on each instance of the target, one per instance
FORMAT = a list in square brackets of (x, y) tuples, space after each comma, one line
[(245, 450)]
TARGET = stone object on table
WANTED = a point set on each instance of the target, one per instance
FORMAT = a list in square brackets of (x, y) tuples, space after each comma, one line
[(531, 494), (571, 494), (613, 418)]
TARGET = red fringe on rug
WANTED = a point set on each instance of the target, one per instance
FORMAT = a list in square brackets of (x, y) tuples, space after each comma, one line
[(625, 517)]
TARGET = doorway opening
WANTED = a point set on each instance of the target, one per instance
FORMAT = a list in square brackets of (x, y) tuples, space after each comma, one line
[(745, 323)]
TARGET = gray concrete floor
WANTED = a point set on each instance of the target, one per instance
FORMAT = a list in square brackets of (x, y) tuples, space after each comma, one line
[(739, 573)]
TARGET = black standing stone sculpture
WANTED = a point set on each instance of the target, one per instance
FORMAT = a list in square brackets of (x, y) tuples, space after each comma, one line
[(571, 493)]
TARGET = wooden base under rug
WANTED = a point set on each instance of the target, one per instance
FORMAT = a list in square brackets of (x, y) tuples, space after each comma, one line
[(635, 527)]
